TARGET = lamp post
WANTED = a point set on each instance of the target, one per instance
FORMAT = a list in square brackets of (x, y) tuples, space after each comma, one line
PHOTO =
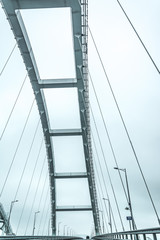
[(68, 231), (10, 211), (129, 198), (58, 227), (49, 226), (109, 207), (102, 221), (64, 230), (34, 222)]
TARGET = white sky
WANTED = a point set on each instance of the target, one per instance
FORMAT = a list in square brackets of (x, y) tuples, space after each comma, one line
[(136, 85)]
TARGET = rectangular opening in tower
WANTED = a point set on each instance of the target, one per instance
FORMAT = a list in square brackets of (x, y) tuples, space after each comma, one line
[(72, 192), (63, 108), (72, 223), (51, 37), (69, 154)]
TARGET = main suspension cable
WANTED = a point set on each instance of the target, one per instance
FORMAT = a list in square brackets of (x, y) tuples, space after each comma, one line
[(149, 55), (10, 167), (8, 59), (114, 156), (108, 136), (44, 205), (24, 168), (13, 107), (43, 188), (28, 190), (101, 209), (126, 130), (37, 187), (100, 191), (78, 38), (105, 187), (98, 179), (37, 159), (107, 168), (45, 219)]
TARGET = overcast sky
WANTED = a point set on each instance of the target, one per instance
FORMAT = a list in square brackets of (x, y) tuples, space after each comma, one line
[(136, 85)]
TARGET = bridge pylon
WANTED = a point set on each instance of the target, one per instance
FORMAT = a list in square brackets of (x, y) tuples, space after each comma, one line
[(79, 15)]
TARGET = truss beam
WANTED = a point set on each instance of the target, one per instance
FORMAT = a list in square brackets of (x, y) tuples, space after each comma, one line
[(71, 175), (65, 132), (73, 208), (58, 83)]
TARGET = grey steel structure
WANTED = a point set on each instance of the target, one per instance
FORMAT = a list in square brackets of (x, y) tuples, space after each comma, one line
[(6, 227), (79, 12), (149, 233), (40, 238)]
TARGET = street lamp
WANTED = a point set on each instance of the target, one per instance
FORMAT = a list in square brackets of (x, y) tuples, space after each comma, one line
[(129, 198), (34, 222), (68, 231), (10, 211), (58, 227), (64, 230), (109, 207), (102, 221), (49, 226)]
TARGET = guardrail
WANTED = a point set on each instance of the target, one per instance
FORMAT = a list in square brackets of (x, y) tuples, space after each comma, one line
[(40, 238), (143, 234)]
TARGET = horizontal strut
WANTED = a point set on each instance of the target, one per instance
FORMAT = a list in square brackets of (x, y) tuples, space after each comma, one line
[(71, 175), (74, 208), (58, 83), (65, 132)]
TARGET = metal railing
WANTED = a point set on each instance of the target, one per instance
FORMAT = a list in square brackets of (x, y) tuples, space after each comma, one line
[(40, 238), (142, 234)]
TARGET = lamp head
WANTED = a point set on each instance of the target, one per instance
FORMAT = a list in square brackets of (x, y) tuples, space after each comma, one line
[(126, 208)]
